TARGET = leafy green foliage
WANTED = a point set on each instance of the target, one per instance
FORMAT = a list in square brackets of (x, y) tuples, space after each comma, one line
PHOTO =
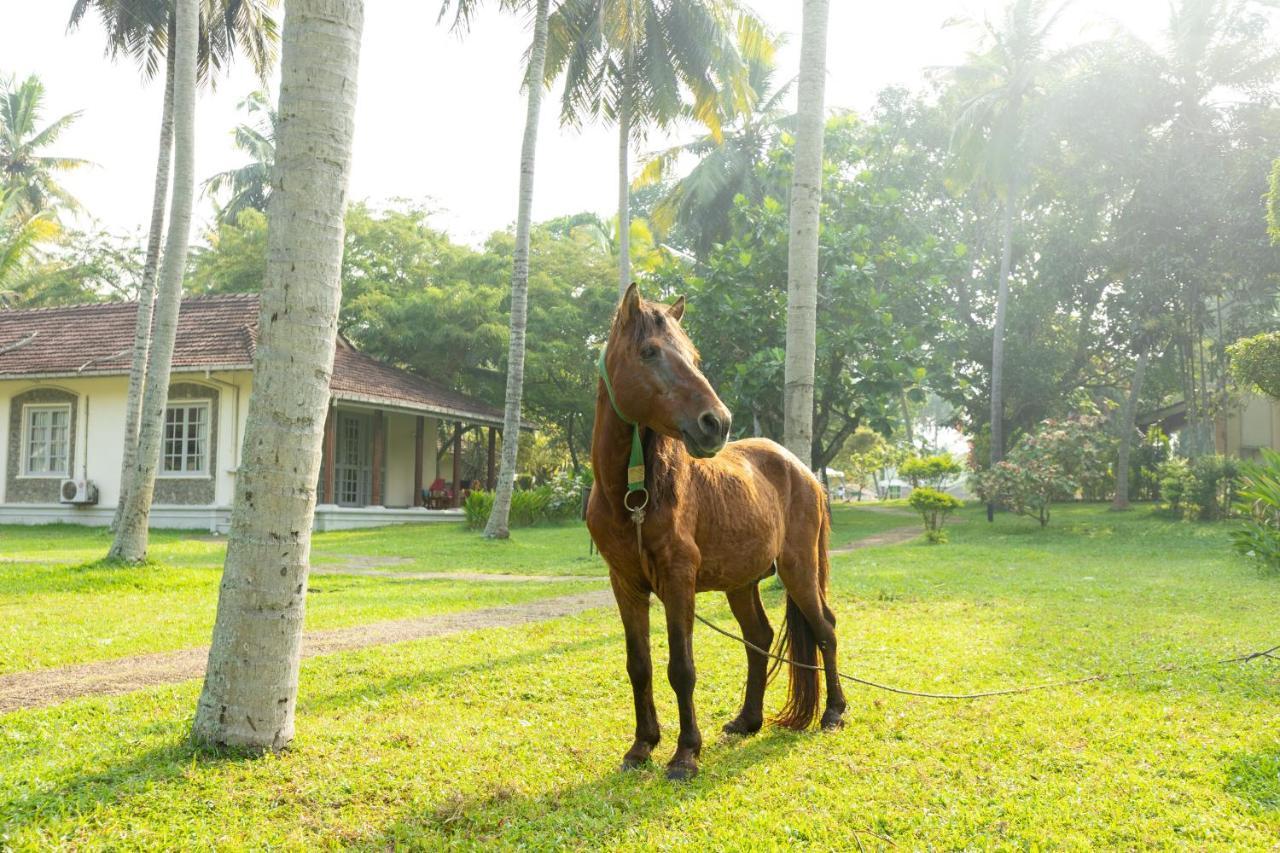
[(934, 507), (1199, 490), (932, 471), (1259, 505), (1256, 361), (557, 501)]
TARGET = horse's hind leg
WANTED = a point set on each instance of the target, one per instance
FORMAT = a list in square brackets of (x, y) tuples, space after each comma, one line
[(804, 589), (750, 613)]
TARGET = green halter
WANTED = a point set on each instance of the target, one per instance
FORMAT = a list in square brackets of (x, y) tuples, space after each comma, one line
[(635, 467)]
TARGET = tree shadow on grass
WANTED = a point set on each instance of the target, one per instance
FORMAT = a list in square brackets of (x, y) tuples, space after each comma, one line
[(598, 811)]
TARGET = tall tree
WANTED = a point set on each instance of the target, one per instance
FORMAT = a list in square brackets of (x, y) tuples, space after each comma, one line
[(143, 30), (1001, 83), (28, 175), (130, 543), (251, 685), (802, 251), (496, 526), (626, 61)]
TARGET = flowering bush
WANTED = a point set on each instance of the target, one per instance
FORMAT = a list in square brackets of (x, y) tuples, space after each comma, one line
[(1057, 461)]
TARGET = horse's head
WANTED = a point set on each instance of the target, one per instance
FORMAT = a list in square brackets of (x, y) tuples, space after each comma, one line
[(653, 367)]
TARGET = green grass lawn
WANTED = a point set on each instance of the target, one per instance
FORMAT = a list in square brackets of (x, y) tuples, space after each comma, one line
[(512, 738)]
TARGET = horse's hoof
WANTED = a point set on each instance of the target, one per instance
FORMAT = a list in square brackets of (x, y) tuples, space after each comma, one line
[(741, 726), (631, 762), (833, 721), (681, 772)]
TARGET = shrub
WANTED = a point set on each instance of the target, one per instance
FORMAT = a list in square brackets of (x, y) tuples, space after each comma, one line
[(1259, 504), (1256, 361), (1055, 462), (1202, 490), (476, 508), (930, 471), (934, 507)]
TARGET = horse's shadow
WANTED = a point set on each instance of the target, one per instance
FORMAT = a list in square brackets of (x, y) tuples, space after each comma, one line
[(599, 810)]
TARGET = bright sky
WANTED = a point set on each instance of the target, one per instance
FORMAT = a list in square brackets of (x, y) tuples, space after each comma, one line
[(440, 119)]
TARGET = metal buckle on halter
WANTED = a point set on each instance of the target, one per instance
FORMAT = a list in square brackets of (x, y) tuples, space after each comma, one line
[(626, 501)]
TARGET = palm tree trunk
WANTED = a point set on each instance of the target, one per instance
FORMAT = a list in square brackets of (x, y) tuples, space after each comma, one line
[(251, 685), (997, 338), (802, 253), (1127, 417), (131, 535), (624, 184), (147, 294), (496, 528)]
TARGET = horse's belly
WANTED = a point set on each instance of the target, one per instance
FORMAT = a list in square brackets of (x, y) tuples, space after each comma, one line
[(735, 564)]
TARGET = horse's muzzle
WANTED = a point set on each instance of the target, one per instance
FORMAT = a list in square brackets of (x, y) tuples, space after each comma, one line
[(709, 434)]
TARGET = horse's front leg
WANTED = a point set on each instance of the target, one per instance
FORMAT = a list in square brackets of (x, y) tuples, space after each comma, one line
[(633, 605), (680, 670)]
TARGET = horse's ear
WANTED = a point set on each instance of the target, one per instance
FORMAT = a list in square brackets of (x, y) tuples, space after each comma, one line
[(629, 308), (676, 310)]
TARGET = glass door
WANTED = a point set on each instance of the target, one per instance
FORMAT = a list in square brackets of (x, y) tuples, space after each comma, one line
[(352, 466)]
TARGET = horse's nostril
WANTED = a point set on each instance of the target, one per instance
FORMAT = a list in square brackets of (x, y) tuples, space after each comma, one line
[(710, 423)]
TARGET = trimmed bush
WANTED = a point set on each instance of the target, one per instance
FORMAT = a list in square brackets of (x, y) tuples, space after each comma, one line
[(1202, 490), (560, 500), (1260, 506), (1256, 361), (934, 507), (930, 471)]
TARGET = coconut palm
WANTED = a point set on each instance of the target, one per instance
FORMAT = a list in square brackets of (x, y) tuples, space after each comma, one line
[(250, 184), (727, 164), (1000, 86), (251, 686), (142, 30), (134, 508), (20, 234), (802, 244), (629, 62), (28, 175), (496, 527)]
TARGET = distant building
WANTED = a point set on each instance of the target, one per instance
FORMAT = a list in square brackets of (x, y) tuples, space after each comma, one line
[(1243, 431), (63, 386)]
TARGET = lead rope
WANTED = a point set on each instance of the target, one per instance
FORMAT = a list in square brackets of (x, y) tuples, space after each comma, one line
[(635, 466)]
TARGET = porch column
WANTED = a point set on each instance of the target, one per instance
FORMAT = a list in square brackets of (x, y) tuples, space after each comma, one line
[(491, 478), (375, 484), (417, 460), (457, 466), (330, 450)]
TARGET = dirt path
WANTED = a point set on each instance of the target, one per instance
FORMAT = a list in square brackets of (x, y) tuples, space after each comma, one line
[(51, 686), (896, 536), (123, 675), (480, 577)]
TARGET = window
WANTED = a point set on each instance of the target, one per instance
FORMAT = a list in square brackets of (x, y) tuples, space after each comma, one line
[(46, 448), (186, 439)]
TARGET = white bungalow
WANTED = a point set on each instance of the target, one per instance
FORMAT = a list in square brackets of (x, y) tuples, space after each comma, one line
[(63, 386)]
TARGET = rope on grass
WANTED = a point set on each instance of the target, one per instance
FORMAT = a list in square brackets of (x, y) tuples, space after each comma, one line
[(1008, 691)]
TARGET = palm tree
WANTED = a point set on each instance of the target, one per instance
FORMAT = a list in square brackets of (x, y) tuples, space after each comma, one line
[(990, 142), (20, 234), (251, 686), (626, 62), (28, 177), (134, 508), (802, 246), (142, 31), (728, 164), (250, 184), (497, 525)]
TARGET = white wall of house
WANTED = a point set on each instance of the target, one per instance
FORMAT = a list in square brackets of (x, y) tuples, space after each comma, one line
[(98, 440), (1252, 426)]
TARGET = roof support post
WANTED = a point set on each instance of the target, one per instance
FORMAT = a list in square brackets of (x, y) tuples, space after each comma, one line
[(457, 467), (330, 449), (491, 474), (417, 460), (379, 442)]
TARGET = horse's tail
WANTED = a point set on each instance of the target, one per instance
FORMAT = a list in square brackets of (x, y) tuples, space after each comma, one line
[(799, 645)]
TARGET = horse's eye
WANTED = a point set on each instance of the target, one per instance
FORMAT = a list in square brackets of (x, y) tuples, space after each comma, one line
[(649, 351)]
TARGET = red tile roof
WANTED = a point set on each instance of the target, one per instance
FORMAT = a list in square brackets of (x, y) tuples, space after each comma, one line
[(214, 333)]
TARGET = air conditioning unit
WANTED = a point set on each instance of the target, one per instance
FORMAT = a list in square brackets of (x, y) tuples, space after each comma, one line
[(78, 492)]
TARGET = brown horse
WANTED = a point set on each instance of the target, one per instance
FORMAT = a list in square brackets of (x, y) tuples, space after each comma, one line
[(719, 516)]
